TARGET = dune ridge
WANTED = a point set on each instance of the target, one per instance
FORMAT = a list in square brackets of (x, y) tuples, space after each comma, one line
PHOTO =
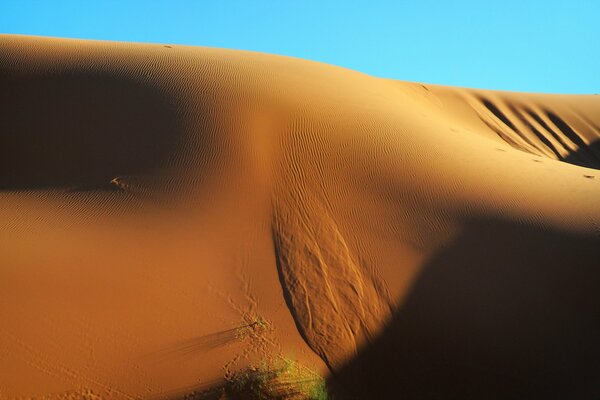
[(160, 197)]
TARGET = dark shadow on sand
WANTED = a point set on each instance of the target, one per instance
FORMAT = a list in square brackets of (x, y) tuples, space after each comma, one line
[(587, 155), (81, 129), (504, 312)]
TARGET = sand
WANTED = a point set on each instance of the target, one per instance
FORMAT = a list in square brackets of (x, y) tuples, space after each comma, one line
[(171, 215)]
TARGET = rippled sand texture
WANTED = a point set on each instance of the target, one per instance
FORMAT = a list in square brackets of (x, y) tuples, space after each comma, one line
[(170, 215)]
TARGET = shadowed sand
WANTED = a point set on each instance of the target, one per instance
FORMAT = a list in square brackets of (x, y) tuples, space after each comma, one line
[(171, 215)]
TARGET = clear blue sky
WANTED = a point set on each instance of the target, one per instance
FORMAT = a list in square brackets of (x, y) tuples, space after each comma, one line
[(524, 45)]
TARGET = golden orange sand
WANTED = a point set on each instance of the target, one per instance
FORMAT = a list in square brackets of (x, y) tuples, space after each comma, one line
[(157, 201)]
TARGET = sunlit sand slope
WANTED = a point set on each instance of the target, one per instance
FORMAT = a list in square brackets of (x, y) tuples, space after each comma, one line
[(170, 215)]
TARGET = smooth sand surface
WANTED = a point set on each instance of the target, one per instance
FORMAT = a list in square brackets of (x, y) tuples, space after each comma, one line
[(170, 215)]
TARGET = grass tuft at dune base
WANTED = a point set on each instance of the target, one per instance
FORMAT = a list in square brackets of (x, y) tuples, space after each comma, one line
[(284, 379)]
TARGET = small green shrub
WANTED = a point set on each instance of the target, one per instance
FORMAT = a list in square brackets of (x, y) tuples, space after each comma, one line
[(281, 380)]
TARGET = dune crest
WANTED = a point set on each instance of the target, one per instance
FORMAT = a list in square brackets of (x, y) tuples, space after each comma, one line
[(227, 209)]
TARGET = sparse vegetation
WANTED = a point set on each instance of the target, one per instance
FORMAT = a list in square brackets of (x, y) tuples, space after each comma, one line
[(274, 378), (284, 379), (256, 326)]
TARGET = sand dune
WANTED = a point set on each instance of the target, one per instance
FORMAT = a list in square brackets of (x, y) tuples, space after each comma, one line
[(171, 215)]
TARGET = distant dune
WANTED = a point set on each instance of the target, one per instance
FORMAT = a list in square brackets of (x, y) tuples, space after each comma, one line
[(171, 216)]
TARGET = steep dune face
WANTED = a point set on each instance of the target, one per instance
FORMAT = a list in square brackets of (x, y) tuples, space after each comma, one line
[(159, 199), (538, 129), (349, 301)]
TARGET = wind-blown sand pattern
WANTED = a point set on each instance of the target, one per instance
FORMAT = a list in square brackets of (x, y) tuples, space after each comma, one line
[(171, 215), (348, 303)]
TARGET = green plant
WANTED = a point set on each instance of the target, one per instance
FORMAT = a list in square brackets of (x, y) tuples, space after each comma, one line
[(284, 379)]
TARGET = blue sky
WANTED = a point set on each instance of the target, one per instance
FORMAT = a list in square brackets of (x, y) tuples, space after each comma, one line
[(528, 45)]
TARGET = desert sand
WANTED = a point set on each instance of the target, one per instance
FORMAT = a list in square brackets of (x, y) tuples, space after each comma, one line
[(172, 215)]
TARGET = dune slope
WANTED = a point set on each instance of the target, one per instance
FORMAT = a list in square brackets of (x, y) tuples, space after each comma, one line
[(170, 215)]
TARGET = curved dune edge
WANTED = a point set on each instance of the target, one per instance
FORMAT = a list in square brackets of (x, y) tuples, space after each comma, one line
[(348, 304), (157, 201)]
